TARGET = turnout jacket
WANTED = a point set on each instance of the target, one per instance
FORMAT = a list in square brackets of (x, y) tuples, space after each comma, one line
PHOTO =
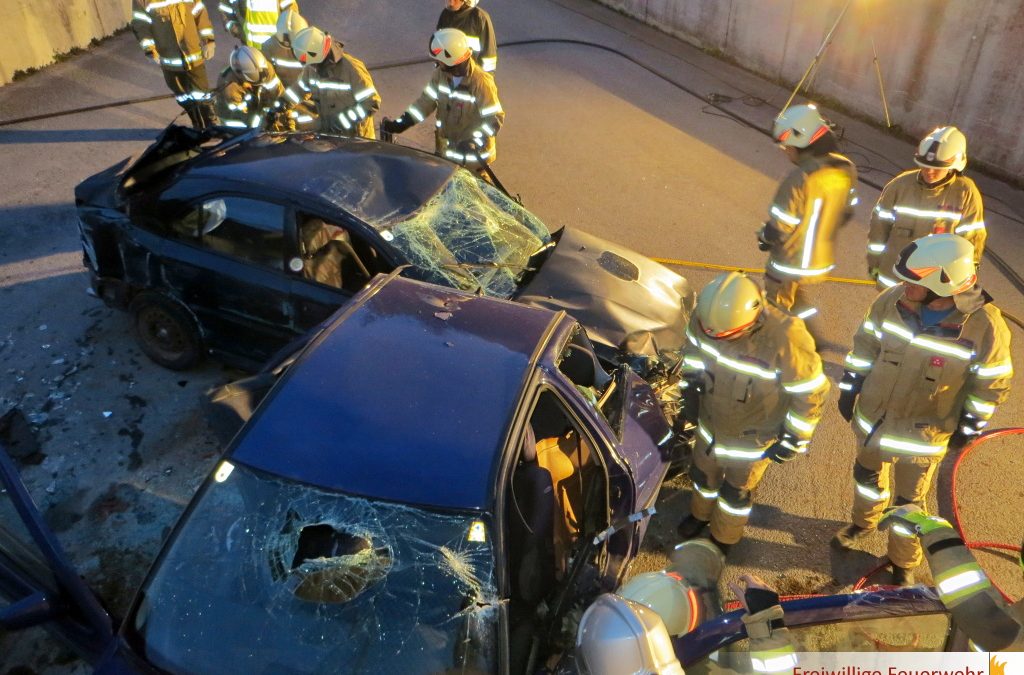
[(242, 104), (283, 60), (469, 111), (908, 209), (771, 647), (173, 30), (918, 380), (476, 24), (811, 204), (966, 591), (755, 386), (342, 92), (254, 21)]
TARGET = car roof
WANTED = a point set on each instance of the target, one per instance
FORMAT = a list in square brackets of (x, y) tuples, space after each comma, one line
[(406, 397), (380, 183)]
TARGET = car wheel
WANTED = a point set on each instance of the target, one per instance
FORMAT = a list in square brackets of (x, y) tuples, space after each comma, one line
[(166, 332)]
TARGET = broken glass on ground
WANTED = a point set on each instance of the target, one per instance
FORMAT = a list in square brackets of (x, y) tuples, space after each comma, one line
[(271, 576)]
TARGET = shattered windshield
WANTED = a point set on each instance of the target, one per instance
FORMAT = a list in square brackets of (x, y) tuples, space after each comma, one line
[(271, 576), (470, 236)]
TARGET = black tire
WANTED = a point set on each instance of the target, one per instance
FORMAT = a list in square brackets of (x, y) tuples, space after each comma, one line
[(165, 331)]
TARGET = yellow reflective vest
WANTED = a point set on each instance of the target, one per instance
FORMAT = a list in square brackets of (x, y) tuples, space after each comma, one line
[(908, 209), (463, 112), (255, 19), (174, 30), (811, 204), (283, 59), (342, 93), (756, 385), (919, 380), (242, 104)]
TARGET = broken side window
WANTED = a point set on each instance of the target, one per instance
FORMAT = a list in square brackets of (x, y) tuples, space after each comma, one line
[(272, 576)]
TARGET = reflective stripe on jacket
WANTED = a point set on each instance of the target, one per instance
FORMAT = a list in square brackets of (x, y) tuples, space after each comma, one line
[(257, 19), (918, 381), (476, 24), (469, 111), (241, 104), (908, 209), (283, 59), (771, 648), (810, 206), (756, 385), (966, 591), (175, 30), (343, 93)]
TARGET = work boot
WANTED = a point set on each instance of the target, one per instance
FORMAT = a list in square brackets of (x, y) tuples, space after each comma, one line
[(724, 548), (901, 576), (847, 537), (690, 527)]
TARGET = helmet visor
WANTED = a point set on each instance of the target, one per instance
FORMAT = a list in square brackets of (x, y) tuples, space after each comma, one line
[(725, 334)]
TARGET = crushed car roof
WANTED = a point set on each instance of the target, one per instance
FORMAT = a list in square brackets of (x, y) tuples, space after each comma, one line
[(405, 398), (381, 183)]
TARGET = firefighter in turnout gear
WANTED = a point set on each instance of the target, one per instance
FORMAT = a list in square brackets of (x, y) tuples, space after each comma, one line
[(278, 49), (178, 35), (248, 90), (254, 21), (337, 84), (464, 100), (977, 607), (929, 365), (476, 24), (811, 204), (754, 383), (934, 199)]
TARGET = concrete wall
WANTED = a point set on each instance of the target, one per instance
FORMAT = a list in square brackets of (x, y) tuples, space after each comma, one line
[(943, 61), (36, 31)]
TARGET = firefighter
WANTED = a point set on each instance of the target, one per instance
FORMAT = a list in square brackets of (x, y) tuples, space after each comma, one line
[(754, 386), (464, 100), (336, 83), (977, 608), (929, 365), (476, 24), (933, 199), (178, 35), (248, 90), (254, 21), (278, 48), (809, 207)]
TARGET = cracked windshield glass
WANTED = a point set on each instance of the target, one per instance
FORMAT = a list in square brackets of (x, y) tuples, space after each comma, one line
[(470, 236), (311, 580)]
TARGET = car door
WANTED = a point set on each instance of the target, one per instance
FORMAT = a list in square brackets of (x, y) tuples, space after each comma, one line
[(37, 578)]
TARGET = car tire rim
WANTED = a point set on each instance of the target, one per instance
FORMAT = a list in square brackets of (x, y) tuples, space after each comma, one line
[(162, 333)]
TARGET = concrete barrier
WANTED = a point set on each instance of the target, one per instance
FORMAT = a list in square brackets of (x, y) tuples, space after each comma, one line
[(37, 31), (943, 61)]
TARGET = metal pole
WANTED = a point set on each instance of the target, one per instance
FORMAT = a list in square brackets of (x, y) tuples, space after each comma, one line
[(817, 57), (881, 87)]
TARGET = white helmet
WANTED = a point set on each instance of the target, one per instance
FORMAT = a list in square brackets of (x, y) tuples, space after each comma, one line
[(943, 263), (729, 305), (311, 45), (943, 148), (449, 46), (668, 595), (799, 126), (249, 64), (618, 636), (699, 562), (288, 24)]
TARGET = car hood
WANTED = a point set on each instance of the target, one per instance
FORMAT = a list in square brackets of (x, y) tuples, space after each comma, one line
[(612, 290), (100, 190)]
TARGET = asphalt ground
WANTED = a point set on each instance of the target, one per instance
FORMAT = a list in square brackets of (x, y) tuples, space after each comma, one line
[(592, 140)]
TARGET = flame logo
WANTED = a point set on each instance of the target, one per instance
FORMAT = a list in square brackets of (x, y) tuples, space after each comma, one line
[(995, 667)]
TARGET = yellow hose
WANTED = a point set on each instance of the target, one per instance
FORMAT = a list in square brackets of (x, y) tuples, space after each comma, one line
[(733, 268)]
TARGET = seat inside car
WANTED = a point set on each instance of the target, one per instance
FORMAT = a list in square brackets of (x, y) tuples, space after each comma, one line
[(328, 256)]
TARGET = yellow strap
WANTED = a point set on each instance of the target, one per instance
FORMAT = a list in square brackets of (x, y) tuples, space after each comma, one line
[(733, 268)]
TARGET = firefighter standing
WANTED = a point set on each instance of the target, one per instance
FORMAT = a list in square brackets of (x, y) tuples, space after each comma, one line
[(977, 608), (476, 24), (278, 48), (248, 90), (811, 204), (934, 199), (464, 100), (178, 35), (753, 383), (254, 21), (338, 85), (929, 365)]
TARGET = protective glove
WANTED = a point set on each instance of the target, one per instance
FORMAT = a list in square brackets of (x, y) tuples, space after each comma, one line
[(389, 126), (849, 388), (209, 49), (690, 389), (469, 146), (762, 243), (911, 519), (967, 429), (785, 449)]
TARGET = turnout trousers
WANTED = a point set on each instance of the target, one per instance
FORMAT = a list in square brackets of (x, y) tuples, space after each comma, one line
[(912, 477), (723, 491), (191, 90)]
